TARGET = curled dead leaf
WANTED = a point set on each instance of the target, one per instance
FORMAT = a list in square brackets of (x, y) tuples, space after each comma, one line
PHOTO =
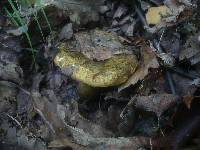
[(188, 101), (157, 103), (176, 12), (148, 61)]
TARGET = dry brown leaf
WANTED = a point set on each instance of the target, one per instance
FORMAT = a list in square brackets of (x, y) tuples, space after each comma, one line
[(149, 60), (90, 142), (154, 14), (183, 86), (190, 50), (98, 44), (74, 118), (176, 13), (157, 103), (188, 101), (80, 12), (65, 142), (121, 10)]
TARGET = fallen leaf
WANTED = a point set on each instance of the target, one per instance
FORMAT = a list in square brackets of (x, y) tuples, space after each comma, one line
[(157, 103), (176, 13), (121, 10), (171, 43), (80, 12), (188, 101), (98, 44), (11, 72), (148, 61), (183, 85), (66, 32), (8, 94), (85, 139), (75, 119), (154, 14), (190, 50), (65, 142)]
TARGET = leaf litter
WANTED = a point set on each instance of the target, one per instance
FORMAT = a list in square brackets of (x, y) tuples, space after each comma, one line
[(42, 107)]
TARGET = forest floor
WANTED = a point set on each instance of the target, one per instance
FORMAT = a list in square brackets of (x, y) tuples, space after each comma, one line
[(99, 74)]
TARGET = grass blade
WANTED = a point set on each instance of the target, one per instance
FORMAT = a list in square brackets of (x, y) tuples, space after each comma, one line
[(46, 18), (23, 24), (35, 18), (11, 17)]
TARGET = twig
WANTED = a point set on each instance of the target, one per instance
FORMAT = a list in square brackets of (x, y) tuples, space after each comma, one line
[(11, 117), (166, 58), (170, 81), (160, 127), (168, 74), (150, 142), (129, 104), (141, 16), (45, 120), (161, 36), (16, 85), (4, 45), (184, 74)]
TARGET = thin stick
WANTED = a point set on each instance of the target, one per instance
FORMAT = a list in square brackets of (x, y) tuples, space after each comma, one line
[(170, 81), (158, 46), (140, 15), (45, 120), (11, 117)]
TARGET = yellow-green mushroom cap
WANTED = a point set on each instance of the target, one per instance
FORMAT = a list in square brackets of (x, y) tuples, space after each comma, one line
[(111, 72)]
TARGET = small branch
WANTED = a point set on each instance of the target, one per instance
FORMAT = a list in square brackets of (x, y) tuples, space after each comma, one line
[(15, 120)]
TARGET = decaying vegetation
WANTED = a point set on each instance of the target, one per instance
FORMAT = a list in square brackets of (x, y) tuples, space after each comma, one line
[(99, 74)]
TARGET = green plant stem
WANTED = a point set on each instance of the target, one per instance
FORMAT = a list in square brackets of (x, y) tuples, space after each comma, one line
[(23, 24), (35, 18), (45, 16)]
